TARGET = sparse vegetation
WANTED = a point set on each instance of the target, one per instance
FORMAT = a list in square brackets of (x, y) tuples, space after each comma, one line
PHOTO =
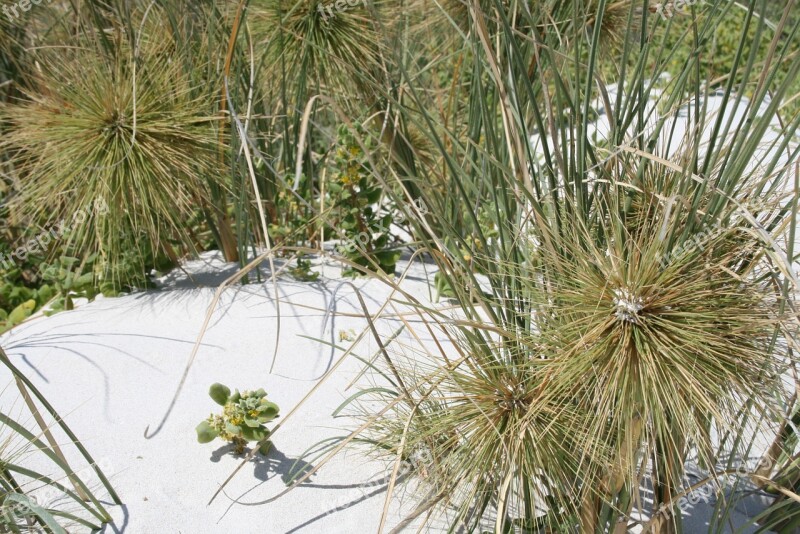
[(242, 420), (610, 200)]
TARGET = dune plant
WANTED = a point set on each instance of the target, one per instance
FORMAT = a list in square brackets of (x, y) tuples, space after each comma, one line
[(302, 271), (600, 342), (482, 431), (338, 55), (242, 420), (355, 197), (21, 295), (69, 280), (664, 355), (126, 131)]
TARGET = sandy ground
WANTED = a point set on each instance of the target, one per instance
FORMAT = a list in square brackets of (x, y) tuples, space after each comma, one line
[(112, 366)]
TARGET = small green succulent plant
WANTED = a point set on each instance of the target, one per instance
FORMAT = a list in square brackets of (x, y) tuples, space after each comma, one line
[(242, 420)]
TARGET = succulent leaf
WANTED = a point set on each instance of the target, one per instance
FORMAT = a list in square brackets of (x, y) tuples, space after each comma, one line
[(269, 409), (254, 434), (205, 432), (219, 393), (252, 423)]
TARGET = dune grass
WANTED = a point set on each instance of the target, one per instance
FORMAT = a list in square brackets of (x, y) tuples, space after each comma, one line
[(624, 289)]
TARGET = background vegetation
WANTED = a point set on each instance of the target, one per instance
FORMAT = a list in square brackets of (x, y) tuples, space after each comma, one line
[(600, 345)]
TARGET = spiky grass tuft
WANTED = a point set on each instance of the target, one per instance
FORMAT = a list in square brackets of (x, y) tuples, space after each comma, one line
[(626, 357), (486, 438), (672, 338), (319, 47), (130, 138)]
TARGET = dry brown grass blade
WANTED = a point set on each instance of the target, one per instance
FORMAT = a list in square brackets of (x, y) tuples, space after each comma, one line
[(395, 470), (426, 506)]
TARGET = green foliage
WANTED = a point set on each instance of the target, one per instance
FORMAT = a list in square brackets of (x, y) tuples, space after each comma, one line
[(18, 301), (17, 315), (219, 393), (302, 271), (724, 44), (364, 224), (442, 286), (22, 291), (69, 280), (242, 419), (293, 221)]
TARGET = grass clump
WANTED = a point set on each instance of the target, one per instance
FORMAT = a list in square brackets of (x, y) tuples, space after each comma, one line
[(604, 303), (124, 133)]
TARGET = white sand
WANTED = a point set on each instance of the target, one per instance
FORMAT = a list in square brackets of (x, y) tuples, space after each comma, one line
[(112, 366)]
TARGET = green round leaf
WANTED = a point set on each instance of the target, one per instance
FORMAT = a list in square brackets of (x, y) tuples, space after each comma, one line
[(219, 393), (252, 423), (254, 434), (268, 411), (205, 432)]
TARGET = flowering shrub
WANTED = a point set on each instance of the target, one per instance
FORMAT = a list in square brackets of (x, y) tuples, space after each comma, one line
[(363, 222), (242, 419)]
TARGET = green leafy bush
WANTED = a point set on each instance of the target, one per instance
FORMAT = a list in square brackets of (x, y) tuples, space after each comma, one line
[(242, 419), (19, 300), (69, 280), (725, 42), (302, 271), (22, 293), (364, 225)]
